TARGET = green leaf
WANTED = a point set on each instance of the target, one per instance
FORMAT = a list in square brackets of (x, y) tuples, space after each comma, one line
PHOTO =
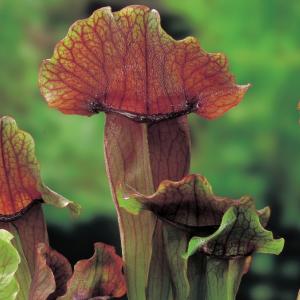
[(9, 261), (240, 234), (29, 231), (11, 291), (128, 203)]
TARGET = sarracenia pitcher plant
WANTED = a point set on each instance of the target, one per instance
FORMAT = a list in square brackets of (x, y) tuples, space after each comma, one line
[(29, 268), (179, 240)]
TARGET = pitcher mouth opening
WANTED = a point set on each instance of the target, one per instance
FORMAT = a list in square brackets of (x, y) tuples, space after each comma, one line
[(96, 107), (22, 212)]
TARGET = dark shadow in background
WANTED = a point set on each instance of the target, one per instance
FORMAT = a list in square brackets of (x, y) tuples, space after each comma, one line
[(78, 243), (277, 280)]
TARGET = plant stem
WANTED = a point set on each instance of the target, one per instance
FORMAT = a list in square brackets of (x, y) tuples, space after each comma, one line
[(213, 278), (141, 155)]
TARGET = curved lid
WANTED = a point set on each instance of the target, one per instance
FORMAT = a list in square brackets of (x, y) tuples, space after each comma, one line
[(125, 62), (21, 185)]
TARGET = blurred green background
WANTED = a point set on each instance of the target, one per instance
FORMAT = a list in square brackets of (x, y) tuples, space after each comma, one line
[(253, 149)]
